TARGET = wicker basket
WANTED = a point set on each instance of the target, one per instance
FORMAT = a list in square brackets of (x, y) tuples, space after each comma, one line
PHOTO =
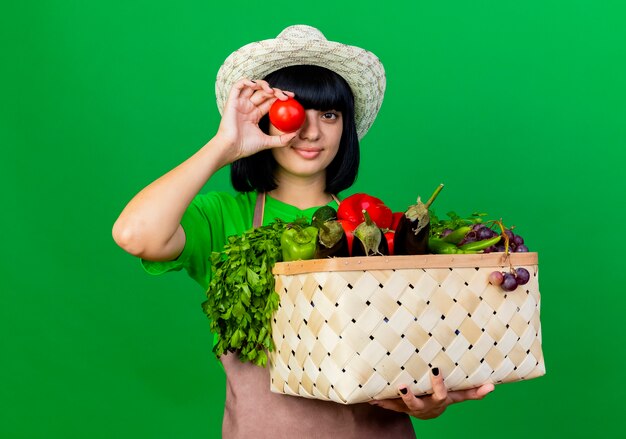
[(351, 330)]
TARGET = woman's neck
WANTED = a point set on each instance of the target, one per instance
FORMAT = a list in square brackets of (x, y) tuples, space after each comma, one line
[(302, 193)]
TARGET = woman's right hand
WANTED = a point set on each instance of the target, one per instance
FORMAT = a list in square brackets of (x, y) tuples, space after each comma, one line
[(247, 103), (149, 226)]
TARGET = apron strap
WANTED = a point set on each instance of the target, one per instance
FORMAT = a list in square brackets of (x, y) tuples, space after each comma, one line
[(259, 209)]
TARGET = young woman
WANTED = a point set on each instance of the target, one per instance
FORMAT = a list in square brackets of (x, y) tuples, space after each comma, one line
[(170, 227)]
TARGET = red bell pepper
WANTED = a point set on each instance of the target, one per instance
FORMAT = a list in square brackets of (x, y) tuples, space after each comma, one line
[(389, 237), (395, 220), (351, 209), (348, 228)]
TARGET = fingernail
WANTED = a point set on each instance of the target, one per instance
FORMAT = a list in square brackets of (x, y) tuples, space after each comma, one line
[(403, 390), (435, 371)]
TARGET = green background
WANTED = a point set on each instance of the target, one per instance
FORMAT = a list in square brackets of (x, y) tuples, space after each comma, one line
[(518, 107)]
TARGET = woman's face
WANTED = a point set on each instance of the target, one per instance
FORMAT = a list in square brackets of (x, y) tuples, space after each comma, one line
[(314, 147)]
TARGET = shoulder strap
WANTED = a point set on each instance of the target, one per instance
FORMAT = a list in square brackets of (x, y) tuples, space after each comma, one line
[(259, 209)]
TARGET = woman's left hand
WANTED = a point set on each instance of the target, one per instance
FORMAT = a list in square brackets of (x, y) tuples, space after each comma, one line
[(431, 406)]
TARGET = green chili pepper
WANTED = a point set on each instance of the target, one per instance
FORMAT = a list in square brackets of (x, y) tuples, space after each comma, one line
[(481, 245), (298, 242), (457, 235), (441, 247)]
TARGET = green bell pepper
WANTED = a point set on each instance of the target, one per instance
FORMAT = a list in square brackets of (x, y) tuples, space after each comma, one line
[(298, 243)]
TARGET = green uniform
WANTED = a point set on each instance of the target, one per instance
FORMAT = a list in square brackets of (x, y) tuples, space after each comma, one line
[(251, 409), (208, 222)]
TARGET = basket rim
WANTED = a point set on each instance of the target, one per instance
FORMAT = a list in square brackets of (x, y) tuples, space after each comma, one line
[(405, 262)]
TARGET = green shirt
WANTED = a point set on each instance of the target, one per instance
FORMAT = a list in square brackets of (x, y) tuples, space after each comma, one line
[(208, 222)]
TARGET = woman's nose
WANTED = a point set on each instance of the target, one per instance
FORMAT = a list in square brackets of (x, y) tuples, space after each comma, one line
[(310, 128)]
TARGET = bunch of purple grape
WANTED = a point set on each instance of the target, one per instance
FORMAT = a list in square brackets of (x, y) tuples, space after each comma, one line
[(509, 281), (481, 231)]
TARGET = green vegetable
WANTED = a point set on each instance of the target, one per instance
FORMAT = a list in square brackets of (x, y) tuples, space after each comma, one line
[(298, 242), (457, 235), (441, 247), (481, 245), (241, 298), (323, 214), (437, 226)]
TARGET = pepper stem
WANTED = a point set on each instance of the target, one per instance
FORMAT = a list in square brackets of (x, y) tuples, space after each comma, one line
[(368, 218), (320, 225), (434, 195)]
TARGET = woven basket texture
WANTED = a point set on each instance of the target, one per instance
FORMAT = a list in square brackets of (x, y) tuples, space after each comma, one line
[(349, 332)]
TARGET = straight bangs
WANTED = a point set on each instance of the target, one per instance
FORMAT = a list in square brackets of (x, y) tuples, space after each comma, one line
[(315, 87)]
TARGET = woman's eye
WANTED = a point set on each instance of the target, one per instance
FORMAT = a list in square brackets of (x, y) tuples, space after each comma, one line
[(330, 115)]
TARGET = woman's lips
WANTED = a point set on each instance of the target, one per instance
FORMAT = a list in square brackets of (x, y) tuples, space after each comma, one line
[(308, 153)]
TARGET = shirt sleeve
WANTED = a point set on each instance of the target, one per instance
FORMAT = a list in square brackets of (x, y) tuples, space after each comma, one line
[(202, 223)]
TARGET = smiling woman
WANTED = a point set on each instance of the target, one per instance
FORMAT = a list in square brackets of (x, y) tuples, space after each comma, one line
[(171, 227), (312, 151), (329, 128)]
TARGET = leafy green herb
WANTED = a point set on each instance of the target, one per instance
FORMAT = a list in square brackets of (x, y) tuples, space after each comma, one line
[(437, 226), (241, 298)]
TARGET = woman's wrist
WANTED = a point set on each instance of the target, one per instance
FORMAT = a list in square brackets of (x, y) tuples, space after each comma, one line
[(222, 149)]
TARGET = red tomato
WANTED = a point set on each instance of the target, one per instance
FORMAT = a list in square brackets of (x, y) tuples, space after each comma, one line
[(287, 115)]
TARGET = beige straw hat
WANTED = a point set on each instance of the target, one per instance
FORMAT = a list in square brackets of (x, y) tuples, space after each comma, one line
[(306, 45)]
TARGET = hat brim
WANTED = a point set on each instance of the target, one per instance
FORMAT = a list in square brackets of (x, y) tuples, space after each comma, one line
[(361, 69)]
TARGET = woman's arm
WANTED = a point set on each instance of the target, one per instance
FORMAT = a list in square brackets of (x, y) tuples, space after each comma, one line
[(149, 226)]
